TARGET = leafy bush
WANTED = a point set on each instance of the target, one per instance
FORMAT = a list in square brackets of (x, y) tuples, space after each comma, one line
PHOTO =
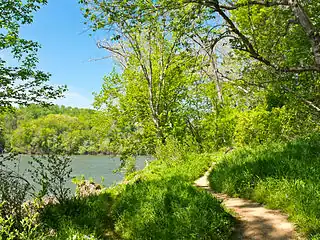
[(259, 126), (283, 176), (19, 216), (217, 130), (14, 188), (27, 229)]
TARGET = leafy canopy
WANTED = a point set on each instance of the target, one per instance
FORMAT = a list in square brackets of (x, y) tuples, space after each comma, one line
[(21, 82)]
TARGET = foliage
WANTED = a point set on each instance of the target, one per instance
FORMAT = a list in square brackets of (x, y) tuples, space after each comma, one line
[(51, 172), (208, 85), (218, 129), (282, 69), (282, 175), (171, 209), (28, 230), (160, 90), (44, 134), (19, 214), (14, 188), (194, 76), (79, 218), (259, 125), (158, 202), (21, 83), (38, 129)]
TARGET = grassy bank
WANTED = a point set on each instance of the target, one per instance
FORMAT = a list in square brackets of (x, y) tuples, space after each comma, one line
[(158, 202), (282, 175)]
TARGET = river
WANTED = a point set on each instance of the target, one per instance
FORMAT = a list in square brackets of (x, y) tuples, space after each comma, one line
[(91, 166)]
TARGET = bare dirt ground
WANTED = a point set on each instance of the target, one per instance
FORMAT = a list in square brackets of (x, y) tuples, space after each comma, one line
[(254, 221)]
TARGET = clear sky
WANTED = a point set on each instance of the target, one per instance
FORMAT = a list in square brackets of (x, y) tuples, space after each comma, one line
[(66, 51)]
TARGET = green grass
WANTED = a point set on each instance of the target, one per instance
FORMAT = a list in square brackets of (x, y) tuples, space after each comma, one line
[(284, 176), (81, 217), (163, 204), (159, 202)]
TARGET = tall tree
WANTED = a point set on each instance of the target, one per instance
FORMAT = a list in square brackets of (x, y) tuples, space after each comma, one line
[(241, 18), (276, 42), (149, 52), (275, 38)]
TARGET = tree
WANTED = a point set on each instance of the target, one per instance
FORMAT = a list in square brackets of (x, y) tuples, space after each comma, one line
[(21, 83), (293, 16), (276, 43), (276, 38), (252, 59), (160, 76)]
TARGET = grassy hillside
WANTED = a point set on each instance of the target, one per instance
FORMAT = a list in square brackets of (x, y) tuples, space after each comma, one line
[(282, 175)]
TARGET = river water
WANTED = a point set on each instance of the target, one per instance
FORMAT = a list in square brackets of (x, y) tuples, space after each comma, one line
[(90, 166)]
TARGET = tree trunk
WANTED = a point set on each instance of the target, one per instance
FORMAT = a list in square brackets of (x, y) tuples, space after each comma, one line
[(305, 22)]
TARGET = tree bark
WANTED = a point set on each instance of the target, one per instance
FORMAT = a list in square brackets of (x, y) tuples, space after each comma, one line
[(305, 22)]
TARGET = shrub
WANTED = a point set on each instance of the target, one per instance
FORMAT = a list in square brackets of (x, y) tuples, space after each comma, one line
[(27, 229), (14, 188), (260, 126), (19, 216)]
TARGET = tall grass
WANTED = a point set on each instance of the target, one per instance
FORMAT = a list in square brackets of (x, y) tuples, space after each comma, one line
[(163, 204), (158, 202), (79, 218), (284, 176)]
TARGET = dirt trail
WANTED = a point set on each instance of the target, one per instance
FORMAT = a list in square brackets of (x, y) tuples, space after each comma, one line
[(254, 221)]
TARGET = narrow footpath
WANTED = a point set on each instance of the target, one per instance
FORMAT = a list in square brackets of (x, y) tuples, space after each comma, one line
[(254, 221)]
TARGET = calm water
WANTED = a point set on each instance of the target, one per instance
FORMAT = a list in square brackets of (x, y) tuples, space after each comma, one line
[(91, 167)]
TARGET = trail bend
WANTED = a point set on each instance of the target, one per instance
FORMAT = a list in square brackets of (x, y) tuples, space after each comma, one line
[(255, 222)]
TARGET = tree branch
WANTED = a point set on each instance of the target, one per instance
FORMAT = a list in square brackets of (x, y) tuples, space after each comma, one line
[(298, 11)]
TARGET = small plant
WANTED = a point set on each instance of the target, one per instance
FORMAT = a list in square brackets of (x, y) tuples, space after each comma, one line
[(14, 188), (52, 172), (19, 218), (27, 228), (78, 181)]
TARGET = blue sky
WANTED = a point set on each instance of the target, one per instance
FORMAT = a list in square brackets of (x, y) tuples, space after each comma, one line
[(66, 51)]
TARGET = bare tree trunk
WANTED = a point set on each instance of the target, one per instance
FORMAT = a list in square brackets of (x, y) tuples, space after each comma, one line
[(216, 79)]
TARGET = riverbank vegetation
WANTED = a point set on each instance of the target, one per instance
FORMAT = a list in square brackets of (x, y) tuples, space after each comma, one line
[(158, 202), (191, 79)]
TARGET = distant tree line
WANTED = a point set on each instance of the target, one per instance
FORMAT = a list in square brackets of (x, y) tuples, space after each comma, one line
[(42, 129)]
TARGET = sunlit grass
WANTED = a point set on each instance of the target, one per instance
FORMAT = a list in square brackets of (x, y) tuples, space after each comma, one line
[(159, 202), (283, 176), (163, 204)]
